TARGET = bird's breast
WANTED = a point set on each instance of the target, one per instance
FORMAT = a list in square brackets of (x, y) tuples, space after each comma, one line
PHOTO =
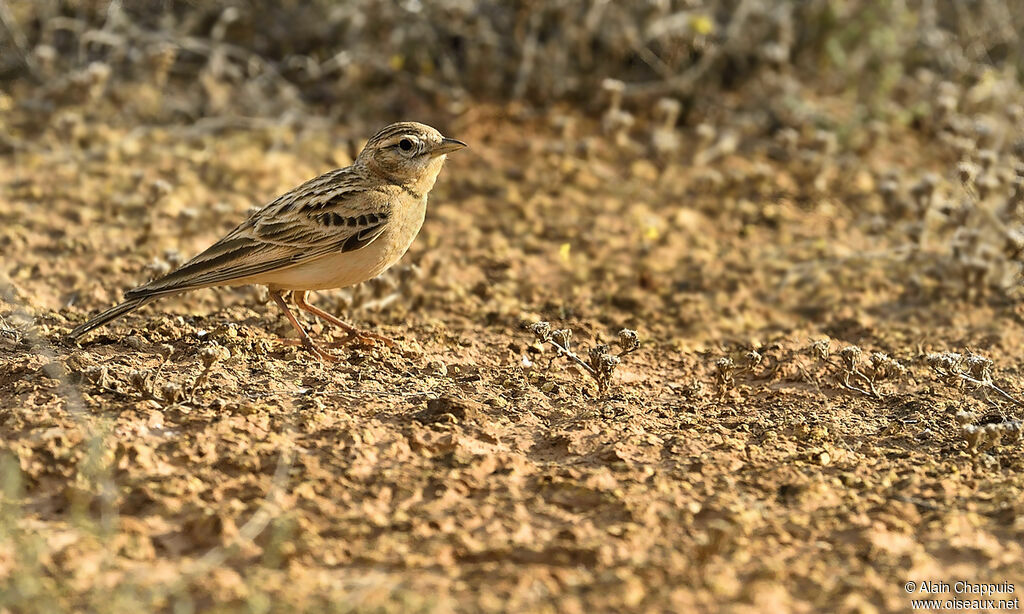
[(405, 223)]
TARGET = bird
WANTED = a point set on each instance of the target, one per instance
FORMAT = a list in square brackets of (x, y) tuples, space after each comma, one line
[(336, 230)]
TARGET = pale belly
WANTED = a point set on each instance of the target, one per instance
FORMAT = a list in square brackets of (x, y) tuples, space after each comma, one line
[(348, 268)]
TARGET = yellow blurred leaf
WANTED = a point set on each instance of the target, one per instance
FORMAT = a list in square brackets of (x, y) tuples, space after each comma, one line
[(563, 252), (702, 24), (396, 62)]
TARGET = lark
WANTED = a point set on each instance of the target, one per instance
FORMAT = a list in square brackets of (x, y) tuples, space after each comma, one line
[(336, 230)]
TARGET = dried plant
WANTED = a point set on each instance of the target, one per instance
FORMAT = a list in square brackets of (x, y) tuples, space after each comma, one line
[(980, 437), (852, 372), (724, 368), (956, 370), (141, 381), (210, 355), (600, 363)]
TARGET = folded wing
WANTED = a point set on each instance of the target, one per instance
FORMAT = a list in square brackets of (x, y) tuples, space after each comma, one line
[(324, 216)]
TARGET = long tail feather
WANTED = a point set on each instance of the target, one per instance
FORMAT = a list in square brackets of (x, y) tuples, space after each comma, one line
[(113, 313)]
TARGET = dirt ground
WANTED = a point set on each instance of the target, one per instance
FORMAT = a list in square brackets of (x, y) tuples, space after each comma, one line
[(727, 468)]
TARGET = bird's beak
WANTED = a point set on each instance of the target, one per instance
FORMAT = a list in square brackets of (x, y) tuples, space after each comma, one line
[(447, 146)]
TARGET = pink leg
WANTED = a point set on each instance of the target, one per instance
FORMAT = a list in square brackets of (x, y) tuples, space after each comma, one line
[(304, 338), (353, 332)]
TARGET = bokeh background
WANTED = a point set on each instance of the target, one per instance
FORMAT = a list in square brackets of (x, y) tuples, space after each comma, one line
[(363, 60), (812, 213)]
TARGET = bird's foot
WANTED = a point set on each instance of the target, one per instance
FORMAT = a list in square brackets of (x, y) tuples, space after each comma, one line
[(308, 345), (363, 337)]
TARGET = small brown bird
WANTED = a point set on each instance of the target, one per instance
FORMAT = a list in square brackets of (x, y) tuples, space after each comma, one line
[(337, 230)]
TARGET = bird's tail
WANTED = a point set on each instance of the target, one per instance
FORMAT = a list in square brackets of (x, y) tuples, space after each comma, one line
[(114, 312)]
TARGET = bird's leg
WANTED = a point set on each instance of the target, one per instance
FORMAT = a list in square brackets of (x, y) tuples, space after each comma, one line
[(304, 338), (351, 331)]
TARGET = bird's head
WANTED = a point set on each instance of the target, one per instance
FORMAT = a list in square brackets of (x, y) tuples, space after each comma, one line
[(408, 153)]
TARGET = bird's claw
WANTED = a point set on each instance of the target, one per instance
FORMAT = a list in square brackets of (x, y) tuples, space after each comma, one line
[(308, 345), (363, 338), (368, 338)]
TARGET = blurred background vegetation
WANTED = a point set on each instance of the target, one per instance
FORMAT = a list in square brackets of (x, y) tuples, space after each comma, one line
[(177, 60)]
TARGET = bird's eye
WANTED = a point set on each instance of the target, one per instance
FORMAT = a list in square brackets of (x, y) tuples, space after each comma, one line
[(405, 144)]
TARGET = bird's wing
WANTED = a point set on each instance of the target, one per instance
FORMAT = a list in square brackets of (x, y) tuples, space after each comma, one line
[(329, 214)]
